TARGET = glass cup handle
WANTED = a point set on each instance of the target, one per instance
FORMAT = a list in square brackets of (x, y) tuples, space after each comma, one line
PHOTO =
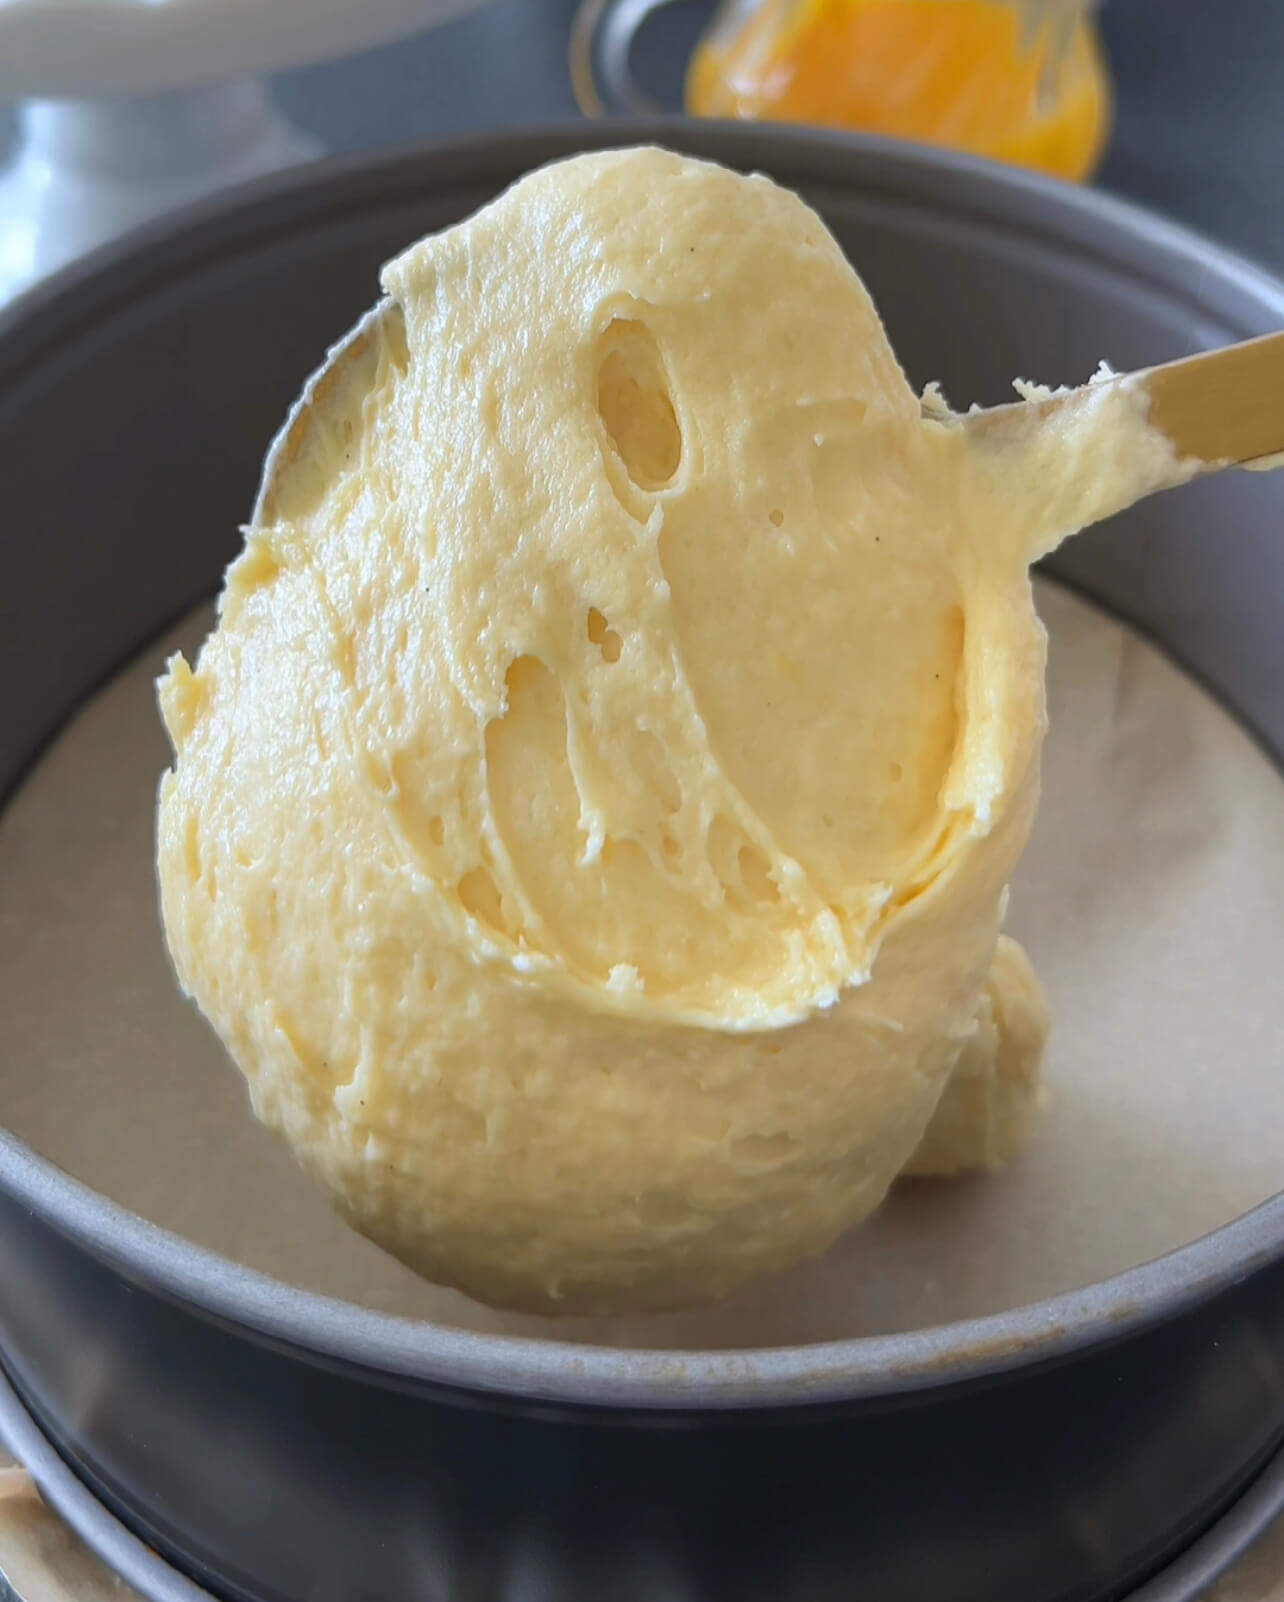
[(601, 44)]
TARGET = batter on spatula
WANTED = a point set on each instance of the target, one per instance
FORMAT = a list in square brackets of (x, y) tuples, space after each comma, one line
[(591, 816)]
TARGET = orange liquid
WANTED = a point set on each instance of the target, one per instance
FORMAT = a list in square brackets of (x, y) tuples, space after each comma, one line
[(947, 72)]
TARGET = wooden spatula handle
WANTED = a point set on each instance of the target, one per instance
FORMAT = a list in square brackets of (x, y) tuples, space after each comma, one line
[(1222, 406)]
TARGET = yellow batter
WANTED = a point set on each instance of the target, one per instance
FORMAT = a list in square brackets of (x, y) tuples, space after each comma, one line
[(591, 816)]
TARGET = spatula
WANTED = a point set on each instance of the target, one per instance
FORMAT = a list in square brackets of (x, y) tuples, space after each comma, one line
[(1221, 408)]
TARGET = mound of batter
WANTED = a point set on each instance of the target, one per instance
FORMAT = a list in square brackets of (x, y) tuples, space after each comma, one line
[(592, 813)]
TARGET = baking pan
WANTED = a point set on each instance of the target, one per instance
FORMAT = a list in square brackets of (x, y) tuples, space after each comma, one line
[(272, 1444)]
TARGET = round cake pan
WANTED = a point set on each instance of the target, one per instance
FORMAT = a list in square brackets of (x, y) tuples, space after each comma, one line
[(271, 1444)]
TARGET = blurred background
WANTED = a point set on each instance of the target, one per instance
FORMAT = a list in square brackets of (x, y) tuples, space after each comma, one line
[(1177, 103)]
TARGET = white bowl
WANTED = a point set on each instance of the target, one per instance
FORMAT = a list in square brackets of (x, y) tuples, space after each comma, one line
[(59, 48)]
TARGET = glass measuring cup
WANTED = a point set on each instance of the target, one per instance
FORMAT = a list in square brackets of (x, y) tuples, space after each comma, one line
[(1022, 81)]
